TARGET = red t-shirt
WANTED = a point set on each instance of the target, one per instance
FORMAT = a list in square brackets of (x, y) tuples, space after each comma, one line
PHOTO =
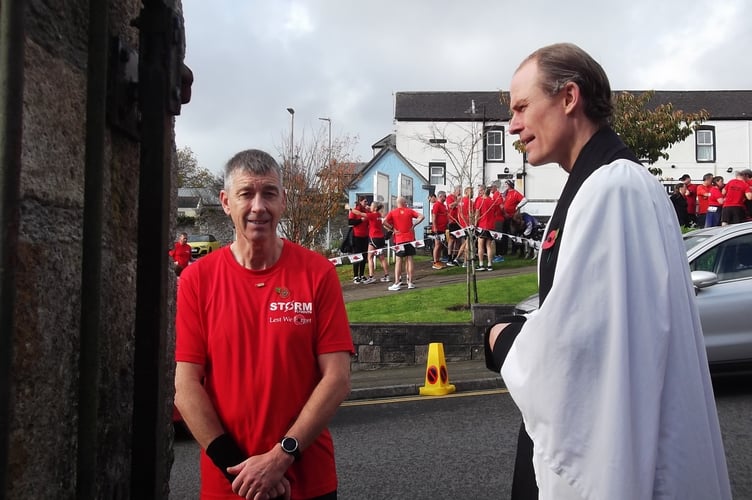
[(360, 230), (181, 254), (454, 211), (465, 211), (258, 334), (511, 200), (498, 200), (702, 200), (375, 225), (715, 193), (440, 217), (486, 213), (401, 219), (735, 189)]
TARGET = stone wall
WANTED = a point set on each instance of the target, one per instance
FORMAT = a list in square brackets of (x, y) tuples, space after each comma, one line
[(42, 425), (379, 345)]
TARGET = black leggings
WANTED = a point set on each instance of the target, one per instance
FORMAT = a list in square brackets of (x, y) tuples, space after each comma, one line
[(360, 245)]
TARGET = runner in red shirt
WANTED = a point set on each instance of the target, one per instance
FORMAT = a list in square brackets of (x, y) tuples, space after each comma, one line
[(360, 238), (181, 253), (453, 243), (737, 191), (466, 216), (263, 350), (439, 223), (703, 199), (403, 220), (486, 218), (376, 241), (691, 198)]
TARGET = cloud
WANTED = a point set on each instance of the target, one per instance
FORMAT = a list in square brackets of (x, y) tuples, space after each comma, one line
[(345, 60)]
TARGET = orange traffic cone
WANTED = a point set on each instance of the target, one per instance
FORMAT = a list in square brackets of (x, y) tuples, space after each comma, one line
[(437, 376)]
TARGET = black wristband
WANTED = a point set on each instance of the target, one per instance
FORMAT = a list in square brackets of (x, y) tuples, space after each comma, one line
[(497, 353), (225, 452)]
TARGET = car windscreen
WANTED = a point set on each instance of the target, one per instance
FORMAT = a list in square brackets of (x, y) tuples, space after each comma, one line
[(691, 241), (199, 238)]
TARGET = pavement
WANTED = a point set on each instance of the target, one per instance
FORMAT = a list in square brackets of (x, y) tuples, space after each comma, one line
[(406, 380)]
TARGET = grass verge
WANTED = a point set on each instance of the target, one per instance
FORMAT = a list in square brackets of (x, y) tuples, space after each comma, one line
[(444, 304)]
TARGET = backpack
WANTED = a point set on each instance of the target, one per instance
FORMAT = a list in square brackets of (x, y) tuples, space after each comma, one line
[(347, 242)]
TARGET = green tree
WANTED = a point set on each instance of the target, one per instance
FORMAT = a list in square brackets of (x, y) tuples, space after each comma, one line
[(190, 174), (316, 180), (650, 130)]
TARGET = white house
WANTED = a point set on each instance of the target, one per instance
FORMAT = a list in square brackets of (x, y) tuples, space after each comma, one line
[(462, 138)]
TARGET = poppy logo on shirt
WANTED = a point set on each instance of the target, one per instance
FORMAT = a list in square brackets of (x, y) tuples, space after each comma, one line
[(550, 239), (282, 291)]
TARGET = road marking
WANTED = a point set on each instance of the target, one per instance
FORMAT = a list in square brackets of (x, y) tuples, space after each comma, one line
[(407, 399)]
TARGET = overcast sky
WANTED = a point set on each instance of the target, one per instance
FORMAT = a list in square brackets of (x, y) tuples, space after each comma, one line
[(344, 59)]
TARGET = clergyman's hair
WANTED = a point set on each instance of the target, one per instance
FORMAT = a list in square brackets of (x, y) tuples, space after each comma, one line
[(562, 63), (253, 161)]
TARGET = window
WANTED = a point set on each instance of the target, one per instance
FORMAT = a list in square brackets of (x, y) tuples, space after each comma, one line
[(730, 260), (437, 173), (494, 144), (406, 189), (705, 144)]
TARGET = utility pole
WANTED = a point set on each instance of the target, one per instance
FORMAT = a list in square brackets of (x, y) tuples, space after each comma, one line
[(292, 133), (328, 165)]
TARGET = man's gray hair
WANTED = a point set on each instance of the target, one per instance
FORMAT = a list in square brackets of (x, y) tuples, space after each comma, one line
[(253, 161)]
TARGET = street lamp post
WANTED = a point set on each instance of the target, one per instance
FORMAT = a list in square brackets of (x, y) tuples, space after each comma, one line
[(328, 164), (328, 151), (292, 132)]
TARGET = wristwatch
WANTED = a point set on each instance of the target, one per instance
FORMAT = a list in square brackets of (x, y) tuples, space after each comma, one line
[(290, 446)]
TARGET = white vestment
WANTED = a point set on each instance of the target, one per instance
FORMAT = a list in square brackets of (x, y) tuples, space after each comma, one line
[(611, 374)]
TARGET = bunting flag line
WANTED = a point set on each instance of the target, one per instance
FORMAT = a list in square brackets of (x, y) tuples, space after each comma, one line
[(358, 257)]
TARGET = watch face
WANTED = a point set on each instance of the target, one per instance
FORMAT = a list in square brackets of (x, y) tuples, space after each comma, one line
[(290, 445)]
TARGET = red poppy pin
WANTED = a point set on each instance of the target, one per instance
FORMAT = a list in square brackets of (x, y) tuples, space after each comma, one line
[(550, 239), (282, 291)]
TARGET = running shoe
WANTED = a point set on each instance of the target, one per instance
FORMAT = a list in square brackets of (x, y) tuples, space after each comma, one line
[(489, 268), (410, 285), (451, 263), (385, 279), (481, 268), (356, 279), (498, 259), (395, 287), (369, 280)]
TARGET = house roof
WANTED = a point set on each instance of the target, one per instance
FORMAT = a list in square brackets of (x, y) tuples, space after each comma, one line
[(488, 105), (387, 140), (190, 197), (384, 152)]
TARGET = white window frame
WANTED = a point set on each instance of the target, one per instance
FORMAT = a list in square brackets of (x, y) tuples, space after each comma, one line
[(437, 172), (705, 144), (496, 147)]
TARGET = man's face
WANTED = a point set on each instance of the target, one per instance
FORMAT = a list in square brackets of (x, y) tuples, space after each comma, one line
[(442, 197), (182, 239), (255, 203), (539, 119)]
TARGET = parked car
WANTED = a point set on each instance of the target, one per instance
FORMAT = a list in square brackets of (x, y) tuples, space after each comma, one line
[(202, 244), (720, 259)]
